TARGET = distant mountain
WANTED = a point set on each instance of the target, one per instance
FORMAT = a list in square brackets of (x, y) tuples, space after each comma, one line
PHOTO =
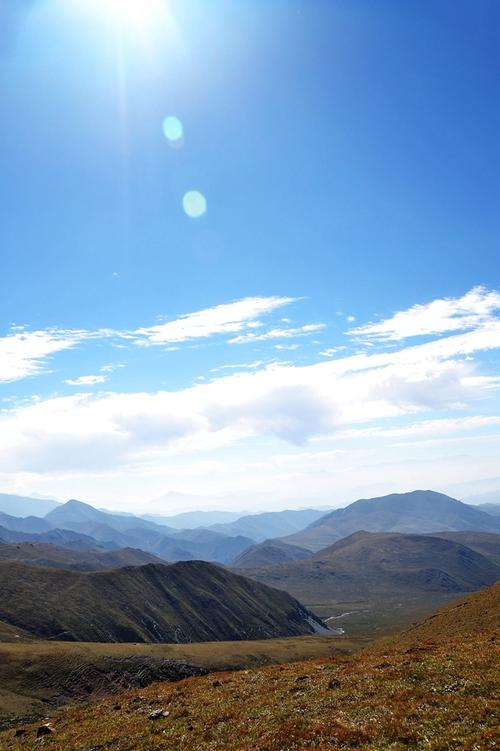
[(132, 531), (183, 602), (492, 496), (61, 537), (195, 519), (20, 505), (78, 516), (420, 512), (490, 508), (368, 565), (24, 524), (486, 543), (207, 545), (269, 553), (51, 556), (270, 524)]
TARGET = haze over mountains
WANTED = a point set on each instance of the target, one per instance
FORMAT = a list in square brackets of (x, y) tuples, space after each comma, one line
[(409, 547), (265, 538)]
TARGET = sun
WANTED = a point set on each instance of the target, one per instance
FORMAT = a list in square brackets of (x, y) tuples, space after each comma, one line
[(131, 12)]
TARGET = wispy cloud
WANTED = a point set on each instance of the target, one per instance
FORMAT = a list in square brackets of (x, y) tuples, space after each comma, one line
[(24, 353), (86, 380), (240, 366), (288, 402), (278, 333), (437, 317), (228, 318)]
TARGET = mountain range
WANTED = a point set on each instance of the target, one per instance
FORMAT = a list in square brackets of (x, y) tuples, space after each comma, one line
[(421, 511), (368, 562), (81, 527)]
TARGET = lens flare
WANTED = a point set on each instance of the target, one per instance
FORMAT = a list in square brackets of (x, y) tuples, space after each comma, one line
[(173, 130), (194, 204)]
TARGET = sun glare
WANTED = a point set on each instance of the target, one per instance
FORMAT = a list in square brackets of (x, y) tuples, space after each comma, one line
[(131, 12)]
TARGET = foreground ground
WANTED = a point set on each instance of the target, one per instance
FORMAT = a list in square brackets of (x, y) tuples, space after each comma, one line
[(435, 688), (37, 677)]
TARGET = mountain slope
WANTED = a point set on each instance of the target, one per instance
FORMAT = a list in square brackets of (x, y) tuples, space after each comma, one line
[(488, 544), (420, 512), (436, 689), (385, 563), (478, 613), (191, 601), (51, 556), (269, 553), (490, 508)]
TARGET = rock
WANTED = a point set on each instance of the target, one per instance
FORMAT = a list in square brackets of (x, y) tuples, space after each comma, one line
[(157, 714), (46, 729), (19, 732), (334, 683), (216, 684)]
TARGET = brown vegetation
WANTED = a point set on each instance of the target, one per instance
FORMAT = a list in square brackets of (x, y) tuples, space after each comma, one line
[(434, 688)]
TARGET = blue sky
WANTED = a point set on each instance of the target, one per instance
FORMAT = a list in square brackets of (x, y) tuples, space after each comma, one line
[(348, 154)]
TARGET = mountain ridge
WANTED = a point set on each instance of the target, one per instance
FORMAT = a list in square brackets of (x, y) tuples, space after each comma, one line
[(186, 601), (419, 512)]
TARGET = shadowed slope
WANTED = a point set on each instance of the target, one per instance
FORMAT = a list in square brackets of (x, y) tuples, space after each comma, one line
[(51, 556), (191, 601)]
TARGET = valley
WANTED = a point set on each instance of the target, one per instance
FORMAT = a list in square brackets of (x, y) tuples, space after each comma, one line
[(434, 686), (83, 618)]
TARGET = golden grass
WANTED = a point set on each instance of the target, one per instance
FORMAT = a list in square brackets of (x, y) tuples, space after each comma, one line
[(37, 677), (435, 697)]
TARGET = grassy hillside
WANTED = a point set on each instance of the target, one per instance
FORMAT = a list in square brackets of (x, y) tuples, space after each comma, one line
[(183, 602), (488, 544), (41, 554), (437, 690), (476, 614), (45, 674), (422, 511), (269, 553), (381, 582)]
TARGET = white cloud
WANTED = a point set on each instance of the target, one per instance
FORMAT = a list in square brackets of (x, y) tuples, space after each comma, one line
[(283, 401), (87, 380), (439, 316), (278, 333), (221, 319), (24, 353), (240, 366)]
